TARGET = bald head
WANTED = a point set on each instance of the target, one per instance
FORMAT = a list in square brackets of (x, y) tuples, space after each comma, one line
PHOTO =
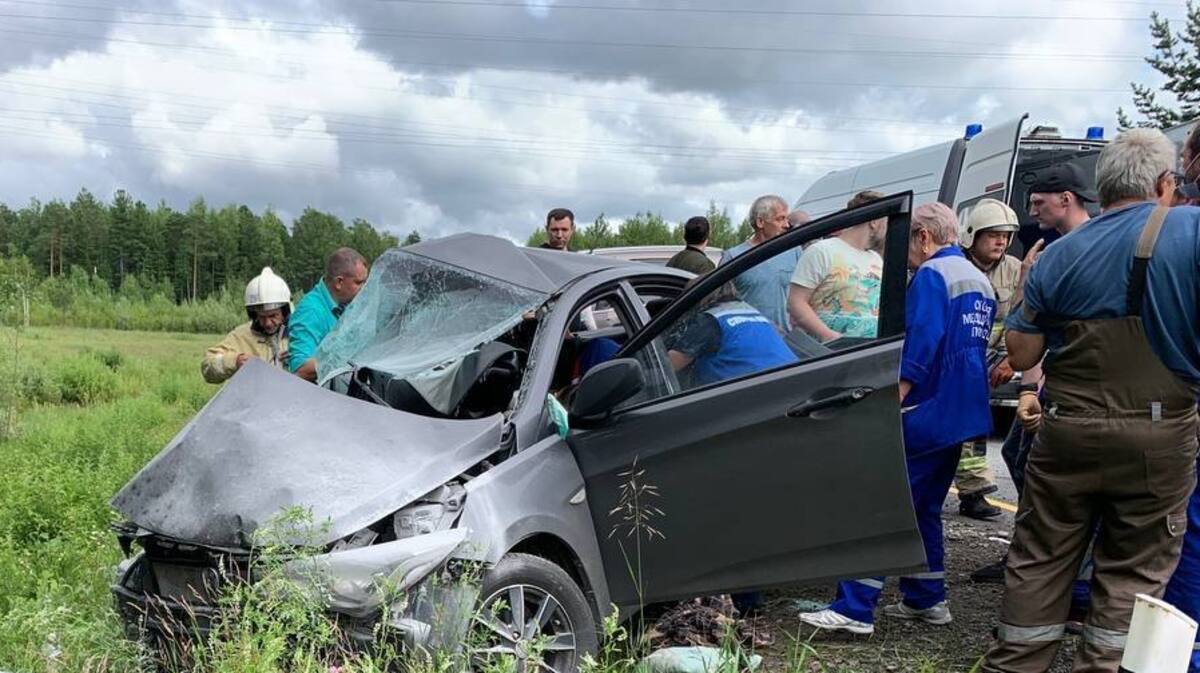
[(798, 218)]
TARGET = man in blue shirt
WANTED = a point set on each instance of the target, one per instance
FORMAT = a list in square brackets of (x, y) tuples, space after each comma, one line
[(319, 310), (765, 286), (944, 402), (1113, 308)]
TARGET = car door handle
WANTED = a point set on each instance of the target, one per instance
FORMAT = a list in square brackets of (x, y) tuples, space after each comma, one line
[(841, 398)]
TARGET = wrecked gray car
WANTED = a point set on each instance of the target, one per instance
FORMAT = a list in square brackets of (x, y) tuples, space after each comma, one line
[(440, 435)]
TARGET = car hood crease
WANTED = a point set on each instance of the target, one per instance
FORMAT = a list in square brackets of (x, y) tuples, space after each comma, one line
[(269, 441)]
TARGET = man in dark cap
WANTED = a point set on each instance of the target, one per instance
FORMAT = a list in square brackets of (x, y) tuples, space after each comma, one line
[(1057, 199)]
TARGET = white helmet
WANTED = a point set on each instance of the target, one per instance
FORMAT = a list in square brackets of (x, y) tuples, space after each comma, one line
[(268, 291), (987, 215)]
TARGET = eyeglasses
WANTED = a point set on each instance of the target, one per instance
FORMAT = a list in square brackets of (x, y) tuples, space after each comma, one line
[(1183, 187), (1188, 189)]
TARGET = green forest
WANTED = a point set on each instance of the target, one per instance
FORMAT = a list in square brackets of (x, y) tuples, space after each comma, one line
[(649, 229), (123, 264), (188, 255)]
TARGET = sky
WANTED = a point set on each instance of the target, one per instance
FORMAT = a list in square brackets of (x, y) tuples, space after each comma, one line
[(480, 115)]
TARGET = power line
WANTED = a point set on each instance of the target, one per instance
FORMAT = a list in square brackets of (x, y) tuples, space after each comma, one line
[(549, 152), (569, 94), (320, 169), (587, 111), (23, 36), (543, 41), (766, 12), (308, 24)]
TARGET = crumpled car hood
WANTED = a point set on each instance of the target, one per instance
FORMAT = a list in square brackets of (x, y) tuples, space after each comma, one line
[(269, 441)]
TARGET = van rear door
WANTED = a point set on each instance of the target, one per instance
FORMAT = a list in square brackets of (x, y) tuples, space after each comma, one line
[(988, 165)]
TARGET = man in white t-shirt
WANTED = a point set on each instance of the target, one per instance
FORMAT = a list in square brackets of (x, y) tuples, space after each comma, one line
[(835, 288)]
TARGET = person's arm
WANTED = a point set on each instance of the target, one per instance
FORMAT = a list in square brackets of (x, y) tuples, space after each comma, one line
[(680, 360), (1024, 350), (221, 361), (803, 316), (927, 308), (812, 269), (302, 340), (1031, 257), (308, 370), (699, 335)]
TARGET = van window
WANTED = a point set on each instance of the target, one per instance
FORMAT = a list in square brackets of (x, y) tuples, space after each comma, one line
[(1030, 164)]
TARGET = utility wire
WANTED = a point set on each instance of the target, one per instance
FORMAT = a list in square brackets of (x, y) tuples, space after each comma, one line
[(546, 41)]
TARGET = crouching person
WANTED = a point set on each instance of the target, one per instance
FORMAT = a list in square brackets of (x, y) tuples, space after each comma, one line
[(268, 304), (944, 402)]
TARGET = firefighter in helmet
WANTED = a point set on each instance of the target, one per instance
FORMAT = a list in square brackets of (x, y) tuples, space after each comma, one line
[(268, 305)]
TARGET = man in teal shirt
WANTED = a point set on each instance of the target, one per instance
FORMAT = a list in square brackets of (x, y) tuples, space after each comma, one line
[(319, 310)]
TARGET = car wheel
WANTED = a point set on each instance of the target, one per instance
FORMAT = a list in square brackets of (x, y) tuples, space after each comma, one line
[(533, 612)]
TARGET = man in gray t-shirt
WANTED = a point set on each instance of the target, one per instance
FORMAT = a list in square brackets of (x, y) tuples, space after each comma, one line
[(765, 286)]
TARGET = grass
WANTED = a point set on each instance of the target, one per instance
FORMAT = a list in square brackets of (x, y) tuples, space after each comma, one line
[(91, 408)]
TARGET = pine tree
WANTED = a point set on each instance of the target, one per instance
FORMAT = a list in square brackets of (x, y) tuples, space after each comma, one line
[(314, 236), (1177, 58)]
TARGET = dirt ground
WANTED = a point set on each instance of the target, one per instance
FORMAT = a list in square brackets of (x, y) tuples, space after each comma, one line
[(898, 645)]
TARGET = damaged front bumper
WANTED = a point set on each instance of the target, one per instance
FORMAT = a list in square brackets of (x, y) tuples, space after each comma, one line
[(173, 589)]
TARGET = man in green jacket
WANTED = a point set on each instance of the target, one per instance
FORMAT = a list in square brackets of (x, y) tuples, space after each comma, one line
[(692, 258), (319, 310)]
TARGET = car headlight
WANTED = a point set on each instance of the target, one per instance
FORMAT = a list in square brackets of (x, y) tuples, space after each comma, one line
[(357, 581)]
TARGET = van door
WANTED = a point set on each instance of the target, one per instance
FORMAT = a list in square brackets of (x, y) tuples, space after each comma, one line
[(988, 165)]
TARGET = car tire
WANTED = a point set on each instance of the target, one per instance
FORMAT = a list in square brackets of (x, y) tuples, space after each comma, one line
[(566, 619)]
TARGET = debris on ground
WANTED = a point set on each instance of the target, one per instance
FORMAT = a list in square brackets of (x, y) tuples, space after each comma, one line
[(698, 660), (712, 620)]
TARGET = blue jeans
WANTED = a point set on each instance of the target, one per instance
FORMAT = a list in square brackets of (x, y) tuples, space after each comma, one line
[(1015, 452), (929, 479)]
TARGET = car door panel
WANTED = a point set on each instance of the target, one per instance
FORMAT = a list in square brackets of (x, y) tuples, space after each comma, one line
[(764, 498), (744, 495)]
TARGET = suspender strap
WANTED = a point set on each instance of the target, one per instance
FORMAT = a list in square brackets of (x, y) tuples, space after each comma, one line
[(1141, 260)]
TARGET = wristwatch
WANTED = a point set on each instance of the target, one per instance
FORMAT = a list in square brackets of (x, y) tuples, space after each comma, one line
[(1027, 388)]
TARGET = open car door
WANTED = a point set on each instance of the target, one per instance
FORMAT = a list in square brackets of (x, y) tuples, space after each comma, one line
[(988, 165), (792, 472)]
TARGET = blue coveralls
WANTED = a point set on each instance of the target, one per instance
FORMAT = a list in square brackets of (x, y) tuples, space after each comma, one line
[(949, 312)]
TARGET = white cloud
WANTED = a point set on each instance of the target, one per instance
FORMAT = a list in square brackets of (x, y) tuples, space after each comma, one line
[(271, 112)]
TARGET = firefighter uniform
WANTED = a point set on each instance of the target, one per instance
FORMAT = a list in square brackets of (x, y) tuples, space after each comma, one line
[(1117, 442), (220, 361)]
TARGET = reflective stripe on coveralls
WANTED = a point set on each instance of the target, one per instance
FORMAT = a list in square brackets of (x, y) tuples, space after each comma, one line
[(929, 478), (1117, 444)]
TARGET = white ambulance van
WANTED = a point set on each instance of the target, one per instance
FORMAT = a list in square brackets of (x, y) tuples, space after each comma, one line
[(998, 162)]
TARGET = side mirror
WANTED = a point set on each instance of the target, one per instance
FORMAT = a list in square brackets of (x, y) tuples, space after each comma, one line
[(605, 386)]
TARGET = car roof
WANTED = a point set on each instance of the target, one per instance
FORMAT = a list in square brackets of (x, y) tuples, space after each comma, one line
[(628, 249), (653, 254), (537, 269)]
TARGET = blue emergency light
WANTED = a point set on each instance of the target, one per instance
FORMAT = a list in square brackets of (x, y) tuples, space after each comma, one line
[(1095, 133), (973, 130)]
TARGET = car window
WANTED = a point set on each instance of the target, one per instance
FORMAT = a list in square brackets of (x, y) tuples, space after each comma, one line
[(802, 303), (595, 332)]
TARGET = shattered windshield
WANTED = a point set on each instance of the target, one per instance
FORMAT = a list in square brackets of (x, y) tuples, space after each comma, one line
[(415, 313)]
